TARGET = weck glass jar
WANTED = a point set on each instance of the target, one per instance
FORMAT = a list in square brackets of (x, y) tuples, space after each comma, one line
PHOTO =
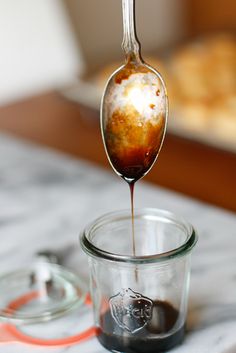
[(139, 302)]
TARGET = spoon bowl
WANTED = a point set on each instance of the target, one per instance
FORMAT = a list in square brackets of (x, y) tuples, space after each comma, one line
[(133, 119), (133, 109)]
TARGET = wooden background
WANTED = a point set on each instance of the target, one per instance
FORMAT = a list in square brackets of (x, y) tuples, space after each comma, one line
[(210, 15), (186, 166)]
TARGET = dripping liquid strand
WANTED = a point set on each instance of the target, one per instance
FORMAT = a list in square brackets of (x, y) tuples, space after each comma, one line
[(131, 186)]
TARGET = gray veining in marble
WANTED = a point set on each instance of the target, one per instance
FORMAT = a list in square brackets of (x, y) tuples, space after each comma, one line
[(46, 199)]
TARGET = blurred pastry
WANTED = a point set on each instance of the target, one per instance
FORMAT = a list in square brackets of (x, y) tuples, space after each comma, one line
[(224, 119), (205, 68), (203, 80)]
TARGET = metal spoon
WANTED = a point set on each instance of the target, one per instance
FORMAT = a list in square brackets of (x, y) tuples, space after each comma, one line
[(134, 109)]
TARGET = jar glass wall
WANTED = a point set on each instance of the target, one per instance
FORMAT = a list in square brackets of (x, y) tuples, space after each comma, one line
[(140, 302)]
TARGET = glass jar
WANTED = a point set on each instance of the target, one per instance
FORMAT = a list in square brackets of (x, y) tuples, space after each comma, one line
[(139, 302)]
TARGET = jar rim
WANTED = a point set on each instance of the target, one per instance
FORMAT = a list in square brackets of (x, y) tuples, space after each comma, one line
[(147, 213)]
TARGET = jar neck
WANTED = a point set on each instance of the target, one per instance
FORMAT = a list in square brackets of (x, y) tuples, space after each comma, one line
[(90, 246)]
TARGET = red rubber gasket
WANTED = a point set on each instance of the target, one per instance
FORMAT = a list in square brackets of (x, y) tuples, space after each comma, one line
[(24, 338)]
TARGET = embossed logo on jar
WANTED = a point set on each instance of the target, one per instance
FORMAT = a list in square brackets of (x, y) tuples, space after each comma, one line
[(131, 310)]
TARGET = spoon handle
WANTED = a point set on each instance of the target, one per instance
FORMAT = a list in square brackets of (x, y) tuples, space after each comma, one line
[(130, 44)]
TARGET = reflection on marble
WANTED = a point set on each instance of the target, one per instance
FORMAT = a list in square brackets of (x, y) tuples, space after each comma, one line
[(46, 199)]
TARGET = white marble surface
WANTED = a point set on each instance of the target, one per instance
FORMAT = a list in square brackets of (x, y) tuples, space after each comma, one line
[(46, 199)]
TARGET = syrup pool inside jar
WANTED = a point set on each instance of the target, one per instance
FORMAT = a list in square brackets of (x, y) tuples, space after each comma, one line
[(134, 113)]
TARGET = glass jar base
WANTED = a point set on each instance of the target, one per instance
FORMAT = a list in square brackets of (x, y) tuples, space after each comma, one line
[(129, 334), (130, 344)]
